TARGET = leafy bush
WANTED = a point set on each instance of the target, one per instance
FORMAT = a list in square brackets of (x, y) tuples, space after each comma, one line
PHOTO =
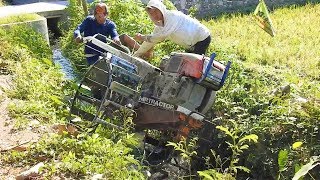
[(38, 92), (129, 17), (38, 84), (259, 107), (28, 39), (272, 89), (83, 156)]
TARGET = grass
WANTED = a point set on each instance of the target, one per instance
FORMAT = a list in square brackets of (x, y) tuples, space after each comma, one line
[(252, 100), (294, 49), (263, 65), (37, 81), (19, 18), (38, 94)]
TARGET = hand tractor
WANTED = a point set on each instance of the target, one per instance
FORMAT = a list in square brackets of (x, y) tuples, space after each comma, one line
[(171, 99)]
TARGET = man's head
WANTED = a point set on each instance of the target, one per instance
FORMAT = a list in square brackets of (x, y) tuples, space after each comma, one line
[(155, 10), (101, 12)]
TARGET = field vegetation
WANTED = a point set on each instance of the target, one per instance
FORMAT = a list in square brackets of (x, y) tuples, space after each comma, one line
[(19, 18), (267, 115)]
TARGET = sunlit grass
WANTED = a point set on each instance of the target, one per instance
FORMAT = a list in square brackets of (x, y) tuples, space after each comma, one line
[(19, 18), (295, 47), (263, 65)]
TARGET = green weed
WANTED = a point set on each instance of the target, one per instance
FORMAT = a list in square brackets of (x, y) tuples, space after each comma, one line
[(187, 150), (38, 84), (82, 156), (273, 86), (272, 91), (18, 18)]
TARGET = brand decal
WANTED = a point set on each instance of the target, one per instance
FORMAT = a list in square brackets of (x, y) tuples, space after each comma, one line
[(157, 103)]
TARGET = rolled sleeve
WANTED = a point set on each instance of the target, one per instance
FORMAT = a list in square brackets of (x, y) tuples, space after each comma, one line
[(80, 29), (145, 46), (113, 31), (157, 36)]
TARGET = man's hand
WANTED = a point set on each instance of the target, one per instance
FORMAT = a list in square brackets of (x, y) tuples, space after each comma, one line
[(117, 41), (139, 37), (78, 39)]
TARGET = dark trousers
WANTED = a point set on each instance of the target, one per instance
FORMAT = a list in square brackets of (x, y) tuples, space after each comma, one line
[(201, 46), (92, 60)]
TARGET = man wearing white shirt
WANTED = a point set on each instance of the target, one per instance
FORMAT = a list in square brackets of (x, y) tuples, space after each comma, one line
[(175, 26)]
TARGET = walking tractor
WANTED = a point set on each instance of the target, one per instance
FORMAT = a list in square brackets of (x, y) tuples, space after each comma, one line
[(171, 98)]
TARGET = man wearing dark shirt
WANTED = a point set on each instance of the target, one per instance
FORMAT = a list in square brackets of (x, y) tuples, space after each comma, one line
[(97, 24)]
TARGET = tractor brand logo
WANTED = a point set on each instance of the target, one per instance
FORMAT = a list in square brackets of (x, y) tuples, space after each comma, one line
[(154, 102)]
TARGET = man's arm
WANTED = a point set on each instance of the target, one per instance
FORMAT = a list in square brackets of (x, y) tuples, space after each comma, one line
[(148, 41), (114, 34), (79, 30), (144, 47), (156, 37)]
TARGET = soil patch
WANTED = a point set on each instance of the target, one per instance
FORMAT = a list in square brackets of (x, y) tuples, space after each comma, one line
[(10, 137)]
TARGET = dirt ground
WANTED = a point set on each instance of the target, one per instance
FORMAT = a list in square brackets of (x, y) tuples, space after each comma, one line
[(10, 137)]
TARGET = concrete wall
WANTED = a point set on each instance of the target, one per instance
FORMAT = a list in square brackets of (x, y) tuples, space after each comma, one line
[(18, 2), (211, 8), (39, 25)]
